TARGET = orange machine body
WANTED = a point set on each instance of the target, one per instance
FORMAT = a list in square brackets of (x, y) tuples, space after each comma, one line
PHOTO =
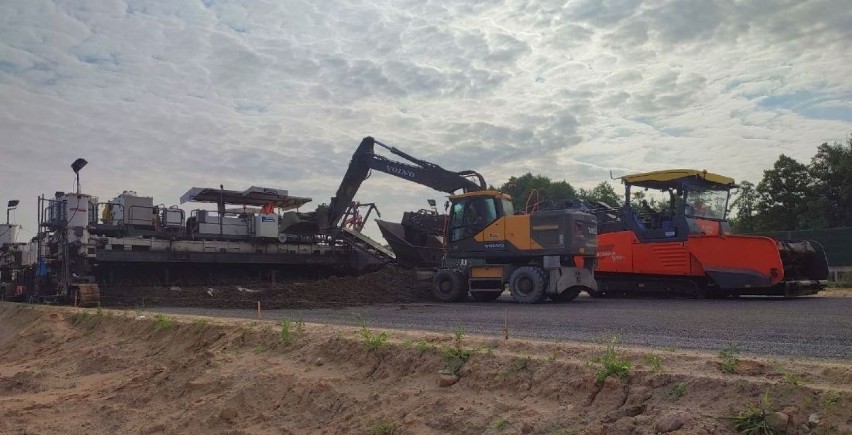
[(684, 244), (757, 257)]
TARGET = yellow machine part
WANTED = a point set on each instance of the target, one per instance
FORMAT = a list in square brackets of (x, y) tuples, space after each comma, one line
[(676, 174), (513, 229), (491, 193), (496, 232), (489, 272)]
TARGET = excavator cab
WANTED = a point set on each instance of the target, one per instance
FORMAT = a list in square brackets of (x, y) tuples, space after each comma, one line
[(471, 213), (695, 203)]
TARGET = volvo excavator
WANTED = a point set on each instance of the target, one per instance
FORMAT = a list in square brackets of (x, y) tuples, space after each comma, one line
[(486, 246)]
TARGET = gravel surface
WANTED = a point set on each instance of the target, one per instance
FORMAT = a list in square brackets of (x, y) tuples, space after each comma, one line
[(807, 326)]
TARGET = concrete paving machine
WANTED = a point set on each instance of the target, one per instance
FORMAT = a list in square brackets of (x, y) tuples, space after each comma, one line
[(486, 246), (686, 246)]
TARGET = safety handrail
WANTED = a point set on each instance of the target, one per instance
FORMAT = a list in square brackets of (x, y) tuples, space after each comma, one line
[(535, 205)]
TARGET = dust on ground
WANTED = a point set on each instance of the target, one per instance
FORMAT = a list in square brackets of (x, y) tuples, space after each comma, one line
[(64, 370), (388, 285)]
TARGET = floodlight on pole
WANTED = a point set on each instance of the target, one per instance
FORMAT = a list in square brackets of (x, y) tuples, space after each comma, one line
[(76, 166), (9, 207)]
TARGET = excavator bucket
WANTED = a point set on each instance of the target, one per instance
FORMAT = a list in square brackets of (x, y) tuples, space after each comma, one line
[(88, 294), (426, 251)]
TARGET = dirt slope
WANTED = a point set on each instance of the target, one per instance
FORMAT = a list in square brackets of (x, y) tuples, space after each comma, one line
[(86, 371), (389, 285)]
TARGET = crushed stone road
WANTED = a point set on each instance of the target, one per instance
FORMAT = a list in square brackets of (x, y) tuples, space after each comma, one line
[(808, 326)]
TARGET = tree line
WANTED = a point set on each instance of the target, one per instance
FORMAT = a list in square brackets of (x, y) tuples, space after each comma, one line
[(520, 188), (790, 196), (798, 196)]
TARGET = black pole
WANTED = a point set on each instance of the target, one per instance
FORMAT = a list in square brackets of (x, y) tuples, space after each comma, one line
[(39, 211), (221, 209)]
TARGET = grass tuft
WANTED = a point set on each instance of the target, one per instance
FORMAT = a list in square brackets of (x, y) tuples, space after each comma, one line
[(500, 424), (456, 356), (830, 400), (163, 323), (752, 421), (78, 318), (373, 341), (655, 362), (200, 324), (286, 333), (611, 364), (384, 427), (518, 365), (87, 319), (678, 391), (730, 357)]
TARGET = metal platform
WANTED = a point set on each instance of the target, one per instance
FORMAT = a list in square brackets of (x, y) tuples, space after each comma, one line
[(253, 196)]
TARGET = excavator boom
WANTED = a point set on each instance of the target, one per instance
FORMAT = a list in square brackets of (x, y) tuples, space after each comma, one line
[(418, 171)]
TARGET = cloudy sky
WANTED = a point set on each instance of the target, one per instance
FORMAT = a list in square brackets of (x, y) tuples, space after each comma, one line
[(160, 96)]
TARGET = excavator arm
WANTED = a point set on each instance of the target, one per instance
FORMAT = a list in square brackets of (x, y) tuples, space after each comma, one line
[(417, 171)]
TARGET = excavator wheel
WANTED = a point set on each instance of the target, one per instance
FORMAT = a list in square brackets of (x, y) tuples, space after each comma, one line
[(568, 295), (528, 285), (449, 286)]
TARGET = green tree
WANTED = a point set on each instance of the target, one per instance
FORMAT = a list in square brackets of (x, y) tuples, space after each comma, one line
[(783, 196), (603, 192), (745, 205), (519, 188), (831, 172)]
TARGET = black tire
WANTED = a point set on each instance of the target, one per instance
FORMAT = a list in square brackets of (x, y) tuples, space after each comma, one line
[(485, 296), (464, 286), (568, 295), (528, 285), (449, 286)]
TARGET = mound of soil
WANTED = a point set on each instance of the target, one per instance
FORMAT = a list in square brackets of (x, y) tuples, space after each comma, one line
[(389, 285), (107, 371)]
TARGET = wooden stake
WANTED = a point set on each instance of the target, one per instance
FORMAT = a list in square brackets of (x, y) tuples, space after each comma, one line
[(76, 295), (506, 325), (258, 310)]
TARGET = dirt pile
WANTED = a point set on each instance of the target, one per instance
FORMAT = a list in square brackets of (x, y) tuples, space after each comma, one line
[(89, 371), (389, 285)]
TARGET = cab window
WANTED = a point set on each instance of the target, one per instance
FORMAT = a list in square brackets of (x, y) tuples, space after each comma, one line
[(508, 207), (472, 215), (706, 203)]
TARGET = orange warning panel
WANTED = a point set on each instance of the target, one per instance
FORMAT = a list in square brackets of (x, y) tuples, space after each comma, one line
[(494, 272)]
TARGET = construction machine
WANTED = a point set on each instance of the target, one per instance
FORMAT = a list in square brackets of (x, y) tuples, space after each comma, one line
[(485, 246), (685, 245)]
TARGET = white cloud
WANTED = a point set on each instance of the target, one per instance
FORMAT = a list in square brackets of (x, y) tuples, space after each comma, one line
[(163, 95)]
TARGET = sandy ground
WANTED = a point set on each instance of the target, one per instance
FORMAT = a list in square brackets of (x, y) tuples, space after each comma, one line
[(835, 292), (69, 371)]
